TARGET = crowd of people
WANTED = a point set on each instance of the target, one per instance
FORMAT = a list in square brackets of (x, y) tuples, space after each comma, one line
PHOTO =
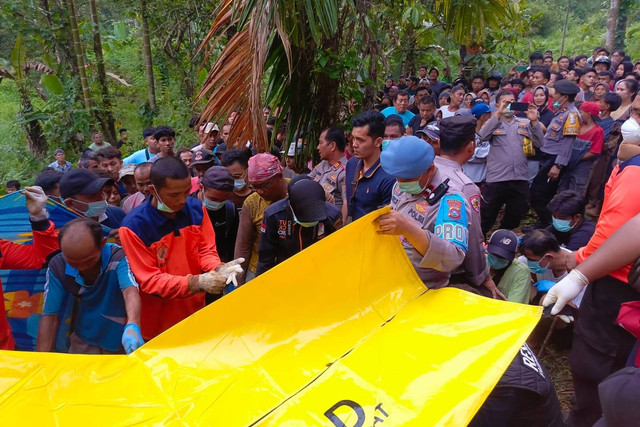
[(459, 164)]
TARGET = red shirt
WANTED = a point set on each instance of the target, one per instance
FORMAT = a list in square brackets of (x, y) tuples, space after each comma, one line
[(620, 205), (596, 136), (25, 257), (163, 254)]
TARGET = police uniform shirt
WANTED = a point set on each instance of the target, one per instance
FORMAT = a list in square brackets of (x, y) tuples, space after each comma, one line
[(331, 177), (446, 224), (561, 134), (506, 160), (475, 266)]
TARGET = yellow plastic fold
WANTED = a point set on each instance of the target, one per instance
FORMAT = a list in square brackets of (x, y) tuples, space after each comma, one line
[(343, 333)]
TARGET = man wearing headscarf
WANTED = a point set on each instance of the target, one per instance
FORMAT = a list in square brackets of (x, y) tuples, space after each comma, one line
[(265, 178)]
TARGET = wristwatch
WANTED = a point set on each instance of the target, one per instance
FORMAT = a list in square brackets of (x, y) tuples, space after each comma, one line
[(558, 166)]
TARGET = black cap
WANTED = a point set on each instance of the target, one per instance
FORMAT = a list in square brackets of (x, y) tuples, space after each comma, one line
[(566, 87), (203, 156), (81, 181), (460, 126), (619, 394), (476, 101), (307, 199), (495, 75), (219, 178), (503, 243), (220, 149), (148, 132)]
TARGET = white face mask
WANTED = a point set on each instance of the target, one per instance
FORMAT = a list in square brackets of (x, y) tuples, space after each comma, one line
[(631, 131)]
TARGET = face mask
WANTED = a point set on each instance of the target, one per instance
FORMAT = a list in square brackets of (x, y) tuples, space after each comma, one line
[(411, 187), (536, 268), (212, 205), (96, 209), (556, 105), (562, 225), (497, 263), (304, 224), (385, 143), (508, 113), (630, 131), (239, 184), (162, 207)]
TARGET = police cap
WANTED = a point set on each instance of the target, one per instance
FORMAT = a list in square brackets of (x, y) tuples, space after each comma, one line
[(566, 87), (458, 128), (407, 157)]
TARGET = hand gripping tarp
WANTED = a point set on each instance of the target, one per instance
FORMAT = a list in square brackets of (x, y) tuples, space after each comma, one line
[(342, 334)]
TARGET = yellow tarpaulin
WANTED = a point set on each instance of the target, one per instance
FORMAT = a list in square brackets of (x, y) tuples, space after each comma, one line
[(344, 333)]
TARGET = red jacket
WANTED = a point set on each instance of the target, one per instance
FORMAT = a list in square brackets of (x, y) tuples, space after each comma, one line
[(24, 257), (163, 253)]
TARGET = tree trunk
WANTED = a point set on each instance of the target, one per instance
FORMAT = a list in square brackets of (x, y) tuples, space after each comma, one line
[(148, 59), (612, 22), (409, 68), (35, 138), (105, 117), (621, 27), (77, 47)]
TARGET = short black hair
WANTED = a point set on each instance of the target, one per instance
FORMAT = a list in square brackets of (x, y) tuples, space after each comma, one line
[(539, 242), (122, 131), (395, 120), (143, 165), (194, 121), (400, 93), (271, 121), (586, 70), (161, 131), (167, 168), (109, 153), (86, 157), (373, 119), (336, 134), (422, 66), (48, 180), (567, 202), (503, 93), (182, 150), (419, 88), (580, 57), (427, 99), (613, 100), (562, 57), (603, 49), (606, 73), (548, 51), (231, 156), (94, 228), (517, 82), (535, 56), (13, 184), (457, 89), (620, 52), (478, 76), (414, 79), (545, 72)]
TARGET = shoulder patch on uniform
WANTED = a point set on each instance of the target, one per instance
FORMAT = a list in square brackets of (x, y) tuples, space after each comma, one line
[(263, 228), (475, 202), (571, 125)]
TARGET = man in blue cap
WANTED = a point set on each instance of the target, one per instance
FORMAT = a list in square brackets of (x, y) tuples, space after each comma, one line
[(433, 220)]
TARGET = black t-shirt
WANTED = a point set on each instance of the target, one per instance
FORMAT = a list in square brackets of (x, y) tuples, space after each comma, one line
[(414, 123)]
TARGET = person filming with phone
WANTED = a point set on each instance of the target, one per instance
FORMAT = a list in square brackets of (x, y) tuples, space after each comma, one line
[(512, 139)]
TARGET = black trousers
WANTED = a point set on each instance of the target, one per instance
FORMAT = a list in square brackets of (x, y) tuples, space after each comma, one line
[(542, 190), (513, 194), (600, 347)]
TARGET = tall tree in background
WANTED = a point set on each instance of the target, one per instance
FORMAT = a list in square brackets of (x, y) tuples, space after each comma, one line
[(104, 115), (80, 58), (148, 59), (612, 23)]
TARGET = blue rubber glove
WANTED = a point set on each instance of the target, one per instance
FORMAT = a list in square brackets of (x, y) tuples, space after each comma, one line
[(131, 338), (544, 285)]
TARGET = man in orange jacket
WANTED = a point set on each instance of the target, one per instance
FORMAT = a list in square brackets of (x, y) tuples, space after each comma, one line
[(24, 257)]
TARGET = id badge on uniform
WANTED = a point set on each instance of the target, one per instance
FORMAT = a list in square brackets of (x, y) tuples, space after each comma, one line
[(527, 147)]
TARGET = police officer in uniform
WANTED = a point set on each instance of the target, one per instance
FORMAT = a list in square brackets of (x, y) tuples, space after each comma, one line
[(432, 218), (330, 171), (293, 224), (556, 149), (457, 146)]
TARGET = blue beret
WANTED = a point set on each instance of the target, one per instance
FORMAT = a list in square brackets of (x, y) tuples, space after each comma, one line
[(407, 157)]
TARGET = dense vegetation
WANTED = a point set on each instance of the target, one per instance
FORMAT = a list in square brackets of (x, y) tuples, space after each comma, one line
[(46, 102)]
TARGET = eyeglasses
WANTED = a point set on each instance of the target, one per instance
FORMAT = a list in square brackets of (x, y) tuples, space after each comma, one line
[(262, 186)]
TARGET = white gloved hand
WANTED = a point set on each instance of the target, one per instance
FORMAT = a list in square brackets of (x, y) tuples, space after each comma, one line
[(565, 290), (230, 270), (566, 319), (36, 202)]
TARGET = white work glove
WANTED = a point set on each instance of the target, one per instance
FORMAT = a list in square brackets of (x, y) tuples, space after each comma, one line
[(211, 283), (230, 270), (565, 290), (36, 202)]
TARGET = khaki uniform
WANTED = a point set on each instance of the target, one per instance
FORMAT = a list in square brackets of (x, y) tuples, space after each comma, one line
[(446, 223), (474, 269), (331, 177)]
